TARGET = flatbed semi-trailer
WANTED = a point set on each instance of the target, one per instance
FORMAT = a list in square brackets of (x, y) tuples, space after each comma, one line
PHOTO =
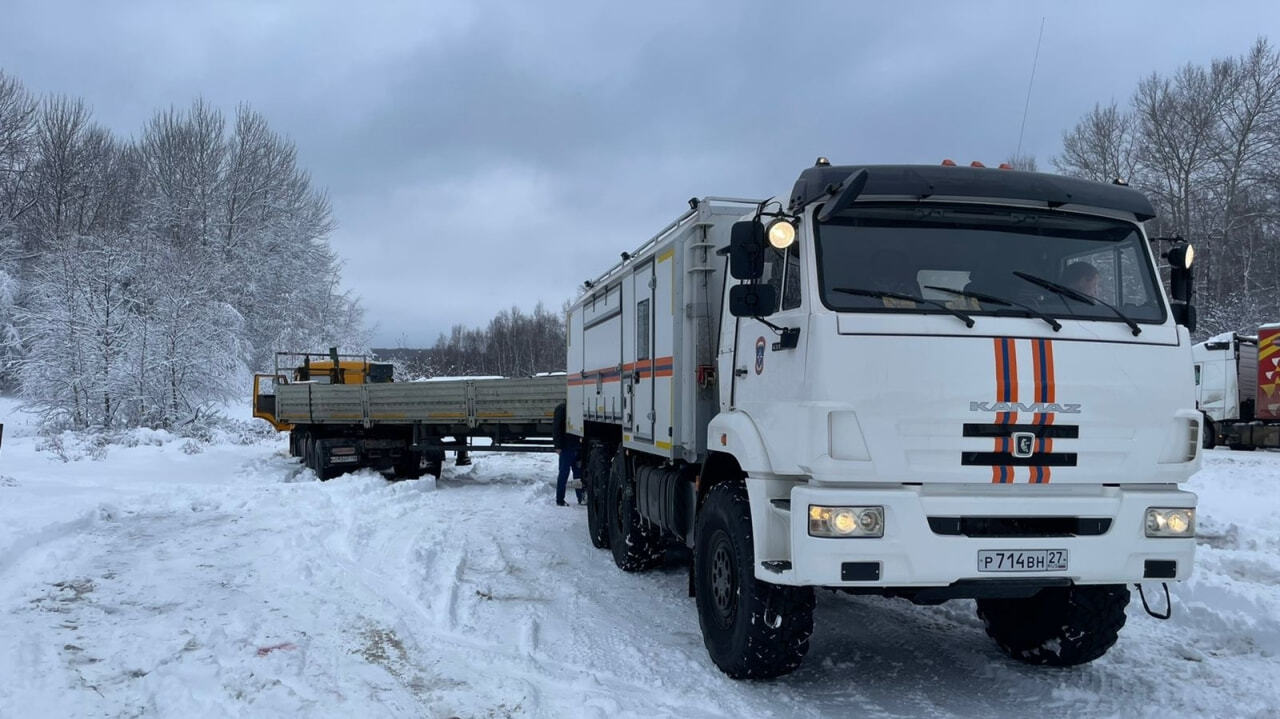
[(406, 426)]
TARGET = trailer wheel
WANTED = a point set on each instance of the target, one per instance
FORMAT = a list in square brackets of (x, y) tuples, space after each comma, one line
[(752, 629), (435, 463), (636, 546), (1060, 627), (595, 481), (409, 466)]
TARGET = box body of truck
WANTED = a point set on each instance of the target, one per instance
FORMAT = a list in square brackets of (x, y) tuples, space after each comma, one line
[(1016, 446)]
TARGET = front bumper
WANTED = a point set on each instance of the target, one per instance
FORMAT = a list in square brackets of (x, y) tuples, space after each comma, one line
[(912, 555)]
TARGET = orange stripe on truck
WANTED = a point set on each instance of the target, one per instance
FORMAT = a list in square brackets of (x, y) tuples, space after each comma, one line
[(1006, 355)]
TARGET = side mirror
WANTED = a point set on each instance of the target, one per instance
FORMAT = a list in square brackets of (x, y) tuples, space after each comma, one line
[(754, 300), (1182, 285), (1185, 315), (746, 251)]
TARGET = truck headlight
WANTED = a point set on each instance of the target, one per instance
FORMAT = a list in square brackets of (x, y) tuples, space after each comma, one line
[(846, 521), (1171, 522)]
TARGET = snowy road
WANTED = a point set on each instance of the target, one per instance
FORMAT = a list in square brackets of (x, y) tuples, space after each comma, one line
[(229, 582)]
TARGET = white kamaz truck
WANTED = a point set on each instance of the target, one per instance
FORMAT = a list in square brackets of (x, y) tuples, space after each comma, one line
[(911, 381)]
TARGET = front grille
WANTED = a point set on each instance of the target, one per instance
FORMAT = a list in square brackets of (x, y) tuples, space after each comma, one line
[(1043, 431), (1005, 459), (1020, 526)]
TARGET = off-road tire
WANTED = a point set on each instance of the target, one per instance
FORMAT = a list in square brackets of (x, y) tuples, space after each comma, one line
[(636, 545), (752, 629), (1061, 626), (595, 484)]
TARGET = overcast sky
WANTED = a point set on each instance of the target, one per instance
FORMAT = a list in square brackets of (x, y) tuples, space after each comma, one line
[(483, 155)]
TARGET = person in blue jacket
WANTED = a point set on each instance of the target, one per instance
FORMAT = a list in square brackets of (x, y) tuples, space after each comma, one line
[(567, 446)]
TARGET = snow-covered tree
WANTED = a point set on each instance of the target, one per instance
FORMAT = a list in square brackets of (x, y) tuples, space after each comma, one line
[(140, 282), (1204, 145)]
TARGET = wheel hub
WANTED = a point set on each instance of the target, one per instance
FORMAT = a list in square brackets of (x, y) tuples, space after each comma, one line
[(724, 580)]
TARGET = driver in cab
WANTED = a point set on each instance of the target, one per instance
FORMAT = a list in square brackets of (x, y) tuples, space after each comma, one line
[(1081, 277)]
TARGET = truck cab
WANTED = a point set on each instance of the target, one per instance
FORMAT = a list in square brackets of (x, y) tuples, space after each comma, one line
[(962, 346)]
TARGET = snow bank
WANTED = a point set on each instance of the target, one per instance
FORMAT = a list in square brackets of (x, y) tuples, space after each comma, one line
[(230, 582)]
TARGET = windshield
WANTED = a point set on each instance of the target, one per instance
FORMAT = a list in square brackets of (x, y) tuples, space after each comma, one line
[(985, 260)]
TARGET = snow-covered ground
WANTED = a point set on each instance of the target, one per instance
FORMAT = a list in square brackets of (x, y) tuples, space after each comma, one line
[(228, 582)]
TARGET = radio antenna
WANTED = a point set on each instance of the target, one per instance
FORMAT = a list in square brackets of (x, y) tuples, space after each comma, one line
[(1030, 83)]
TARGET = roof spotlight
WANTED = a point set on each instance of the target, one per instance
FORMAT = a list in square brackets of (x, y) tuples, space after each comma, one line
[(1182, 256), (781, 233)]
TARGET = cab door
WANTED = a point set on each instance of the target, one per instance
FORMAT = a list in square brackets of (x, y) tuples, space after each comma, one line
[(264, 400), (769, 372)]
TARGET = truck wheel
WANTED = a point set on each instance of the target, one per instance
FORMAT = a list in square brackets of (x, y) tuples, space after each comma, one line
[(636, 546), (309, 455), (1060, 627), (752, 629), (595, 481), (313, 457)]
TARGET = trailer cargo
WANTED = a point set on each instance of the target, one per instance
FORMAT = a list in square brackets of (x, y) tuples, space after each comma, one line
[(922, 382)]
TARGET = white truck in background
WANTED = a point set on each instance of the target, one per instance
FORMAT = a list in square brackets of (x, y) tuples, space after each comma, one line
[(1238, 388), (912, 381)]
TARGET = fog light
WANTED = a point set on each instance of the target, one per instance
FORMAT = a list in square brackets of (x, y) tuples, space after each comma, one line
[(846, 521), (1171, 522)]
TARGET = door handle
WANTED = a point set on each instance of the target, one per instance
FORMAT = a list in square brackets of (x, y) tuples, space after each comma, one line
[(740, 372)]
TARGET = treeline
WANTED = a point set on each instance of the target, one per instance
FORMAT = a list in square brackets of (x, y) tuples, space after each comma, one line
[(1204, 144), (513, 344), (140, 278)]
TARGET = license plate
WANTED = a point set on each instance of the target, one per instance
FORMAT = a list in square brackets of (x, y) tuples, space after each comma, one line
[(1022, 560), (337, 458)]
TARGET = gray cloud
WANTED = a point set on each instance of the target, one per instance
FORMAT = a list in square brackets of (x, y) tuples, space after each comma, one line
[(483, 155)]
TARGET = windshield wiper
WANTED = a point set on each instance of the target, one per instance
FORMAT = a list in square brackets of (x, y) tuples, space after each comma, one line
[(1065, 291), (989, 299), (881, 294)]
